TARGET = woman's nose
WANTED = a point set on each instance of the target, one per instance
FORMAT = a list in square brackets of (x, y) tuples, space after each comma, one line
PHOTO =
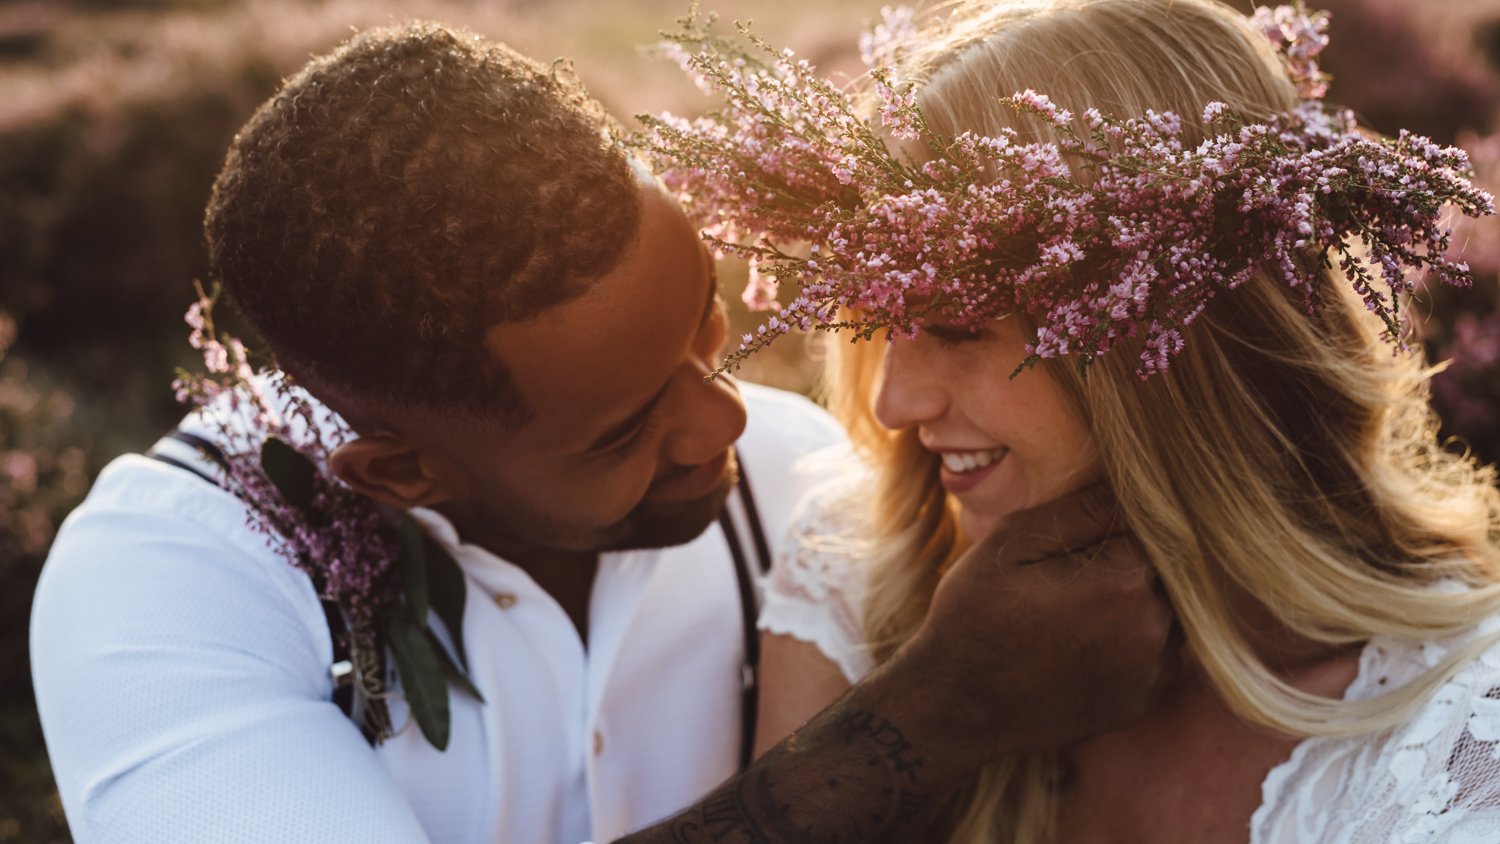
[(912, 390)]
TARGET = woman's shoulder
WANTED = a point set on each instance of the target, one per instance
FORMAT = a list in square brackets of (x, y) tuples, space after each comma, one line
[(829, 537), (1435, 777), (816, 588)]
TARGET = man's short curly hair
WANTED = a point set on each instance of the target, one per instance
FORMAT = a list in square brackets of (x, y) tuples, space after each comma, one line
[(405, 193)]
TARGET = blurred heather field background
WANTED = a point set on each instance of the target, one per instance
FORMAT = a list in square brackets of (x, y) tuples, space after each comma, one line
[(114, 115)]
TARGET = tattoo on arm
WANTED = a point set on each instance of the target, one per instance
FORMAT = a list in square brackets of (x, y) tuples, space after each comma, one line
[(849, 776)]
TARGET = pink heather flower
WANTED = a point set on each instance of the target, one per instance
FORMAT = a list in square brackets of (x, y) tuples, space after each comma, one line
[(241, 360), (760, 290), (348, 547), (1160, 347), (1042, 106), (988, 225), (898, 109), (215, 356), (896, 33), (194, 319), (675, 52), (1299, 37)]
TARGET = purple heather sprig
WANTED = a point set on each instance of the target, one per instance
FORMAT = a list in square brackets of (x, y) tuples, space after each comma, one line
[(373, 562), (1299, 36), (791, 176), (343, 541), (883, 45)]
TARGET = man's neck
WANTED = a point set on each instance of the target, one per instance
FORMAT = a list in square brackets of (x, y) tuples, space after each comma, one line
[(568, 576)]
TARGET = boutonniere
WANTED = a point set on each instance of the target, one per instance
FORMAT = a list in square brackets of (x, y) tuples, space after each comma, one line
[(386, 575)]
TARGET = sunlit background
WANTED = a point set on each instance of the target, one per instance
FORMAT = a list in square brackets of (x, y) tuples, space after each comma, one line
[(115, 114)]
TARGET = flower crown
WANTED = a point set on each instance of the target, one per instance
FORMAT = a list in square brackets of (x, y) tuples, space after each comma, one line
[(991, 225)]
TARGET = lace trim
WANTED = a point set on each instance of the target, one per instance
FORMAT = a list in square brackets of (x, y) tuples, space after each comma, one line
[(817, 586), (809, 623), (1433, 779)]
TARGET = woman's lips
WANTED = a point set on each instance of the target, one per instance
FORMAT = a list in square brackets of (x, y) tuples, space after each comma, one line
[(958, 477)]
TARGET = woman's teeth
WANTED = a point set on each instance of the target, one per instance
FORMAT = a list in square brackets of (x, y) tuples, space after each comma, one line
[(967, 461)]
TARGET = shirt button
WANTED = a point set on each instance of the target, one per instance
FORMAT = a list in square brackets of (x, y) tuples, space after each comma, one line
[(598, 742), (505, 600)]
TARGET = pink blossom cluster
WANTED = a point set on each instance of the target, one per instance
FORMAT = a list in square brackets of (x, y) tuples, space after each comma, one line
[(1300, 36), (792, 177), (343, 541), (883, 45), (1479, 239)]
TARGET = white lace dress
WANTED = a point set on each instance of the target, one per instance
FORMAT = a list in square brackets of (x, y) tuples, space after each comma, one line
[(1432, 780)]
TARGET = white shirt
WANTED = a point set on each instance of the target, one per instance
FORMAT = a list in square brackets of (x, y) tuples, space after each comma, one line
[(1432, 780), (181, 670)]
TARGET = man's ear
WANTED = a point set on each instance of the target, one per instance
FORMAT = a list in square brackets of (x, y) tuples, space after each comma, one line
[(388, 469)]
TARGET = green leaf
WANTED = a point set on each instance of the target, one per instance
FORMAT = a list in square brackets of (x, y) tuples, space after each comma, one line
[(291, 472), (451, 669), (412, 564), (445, 584), (421, 670)]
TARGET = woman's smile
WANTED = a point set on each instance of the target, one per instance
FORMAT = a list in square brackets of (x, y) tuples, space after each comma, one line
[(965, 470), (1004, 443)]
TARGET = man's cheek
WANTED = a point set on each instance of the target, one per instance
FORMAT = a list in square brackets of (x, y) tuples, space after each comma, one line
[(606, 499)]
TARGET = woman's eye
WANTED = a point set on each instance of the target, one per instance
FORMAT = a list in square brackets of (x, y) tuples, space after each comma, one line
[(950, 335)]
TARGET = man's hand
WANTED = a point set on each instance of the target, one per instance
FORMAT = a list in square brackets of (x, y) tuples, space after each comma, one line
[(1050, 629)]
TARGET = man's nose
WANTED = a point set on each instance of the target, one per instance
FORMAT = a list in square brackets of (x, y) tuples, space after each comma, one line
[(912, 389), (712, 418)]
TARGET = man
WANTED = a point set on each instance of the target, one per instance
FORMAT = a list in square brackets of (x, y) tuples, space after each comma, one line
[(439, 239)]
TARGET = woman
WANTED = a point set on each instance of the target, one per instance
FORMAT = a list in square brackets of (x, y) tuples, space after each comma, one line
[(1336, 573)]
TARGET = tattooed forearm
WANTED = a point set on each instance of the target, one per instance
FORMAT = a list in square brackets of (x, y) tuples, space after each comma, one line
[(909, 806), (1027, 646), (848, 776), (884, 737), (727, 814)]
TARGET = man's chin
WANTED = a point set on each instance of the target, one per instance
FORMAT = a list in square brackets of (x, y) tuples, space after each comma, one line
[(663, 525)]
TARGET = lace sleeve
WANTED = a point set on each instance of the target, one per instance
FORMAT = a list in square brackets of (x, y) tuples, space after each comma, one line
[(1432, 780), (815, 591)]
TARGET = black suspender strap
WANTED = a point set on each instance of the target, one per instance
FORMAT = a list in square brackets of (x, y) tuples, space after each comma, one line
[(159, 453), (752, 515), (750, 692), (342, 671), (172, 461), (343, 674), (210, 450), (749, 610)]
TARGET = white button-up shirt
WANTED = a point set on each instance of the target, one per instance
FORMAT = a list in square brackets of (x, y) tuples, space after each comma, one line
[(181, 669)]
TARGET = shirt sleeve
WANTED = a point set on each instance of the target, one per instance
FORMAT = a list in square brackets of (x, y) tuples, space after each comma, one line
[(1437, 777), (816, 588), (1434, 779), (181, 676)]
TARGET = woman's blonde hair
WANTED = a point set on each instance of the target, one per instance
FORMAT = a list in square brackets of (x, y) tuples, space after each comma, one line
[(1288, 453)]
